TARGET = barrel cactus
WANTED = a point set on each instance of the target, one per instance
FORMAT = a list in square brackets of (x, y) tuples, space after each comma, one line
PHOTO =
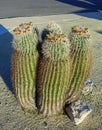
[(24, 64), (53, 74), (81, 58), (53, 78)]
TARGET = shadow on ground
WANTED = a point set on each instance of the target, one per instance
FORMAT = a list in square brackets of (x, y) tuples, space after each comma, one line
[(99, 32), (88, 5), (5, 56)]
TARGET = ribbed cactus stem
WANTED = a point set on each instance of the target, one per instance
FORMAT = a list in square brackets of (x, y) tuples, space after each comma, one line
[(24, 64), (53, 74), (81, 57)]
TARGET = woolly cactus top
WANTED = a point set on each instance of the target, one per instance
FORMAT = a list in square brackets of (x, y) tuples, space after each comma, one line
[(25, 38), (56, 47), (80, 37)]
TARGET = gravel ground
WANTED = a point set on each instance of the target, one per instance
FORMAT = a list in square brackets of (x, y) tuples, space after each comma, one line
[(12, 117)]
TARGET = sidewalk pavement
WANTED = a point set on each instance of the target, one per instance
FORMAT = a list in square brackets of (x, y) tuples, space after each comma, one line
[(11, 23)]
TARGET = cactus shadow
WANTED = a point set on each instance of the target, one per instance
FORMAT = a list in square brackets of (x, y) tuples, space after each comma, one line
[(44, 33), (42, 36), (5, 56)]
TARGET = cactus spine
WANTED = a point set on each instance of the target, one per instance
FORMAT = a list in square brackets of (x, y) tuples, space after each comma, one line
[(81, 57), (53, 74), (24, 64)]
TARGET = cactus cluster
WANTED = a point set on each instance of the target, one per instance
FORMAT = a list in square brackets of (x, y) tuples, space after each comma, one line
[(47, 80)]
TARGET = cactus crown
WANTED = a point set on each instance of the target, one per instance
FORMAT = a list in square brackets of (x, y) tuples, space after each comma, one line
[(80, 30), (25, 38), (56, 47), (23, 28), (80, 37)]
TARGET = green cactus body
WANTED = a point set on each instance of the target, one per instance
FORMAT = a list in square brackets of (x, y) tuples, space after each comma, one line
[(81, 57), (24, 64), (53, 74)]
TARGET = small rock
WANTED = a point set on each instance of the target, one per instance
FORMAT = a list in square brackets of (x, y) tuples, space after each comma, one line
[(45, 123)]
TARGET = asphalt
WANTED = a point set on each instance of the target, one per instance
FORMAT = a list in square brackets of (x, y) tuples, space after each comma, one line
[(26, 8)]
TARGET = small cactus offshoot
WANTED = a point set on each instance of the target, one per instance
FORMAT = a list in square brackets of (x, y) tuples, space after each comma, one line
[(51, 27), (54, 28), (24, 65)]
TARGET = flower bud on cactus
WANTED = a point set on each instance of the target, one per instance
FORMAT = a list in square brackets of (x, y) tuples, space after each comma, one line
[(81, 57), (52, 27), (24, 64), (53, 74), (25, 39)]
